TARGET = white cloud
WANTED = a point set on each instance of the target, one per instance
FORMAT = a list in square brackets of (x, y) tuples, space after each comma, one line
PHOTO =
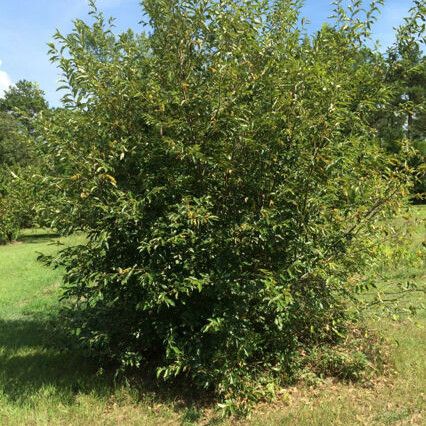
[(5, 81)]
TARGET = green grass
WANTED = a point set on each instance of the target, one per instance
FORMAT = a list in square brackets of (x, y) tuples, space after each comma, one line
[(44, 381)]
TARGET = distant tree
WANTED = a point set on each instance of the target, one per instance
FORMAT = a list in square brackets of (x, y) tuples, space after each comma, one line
[(405, 116), (18, 159), (24, 101), (15, 148)]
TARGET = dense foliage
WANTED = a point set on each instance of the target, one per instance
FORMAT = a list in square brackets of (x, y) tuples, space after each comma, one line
[(226, 170)]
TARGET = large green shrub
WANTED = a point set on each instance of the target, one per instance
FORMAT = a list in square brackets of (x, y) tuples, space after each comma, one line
[(224, 170)]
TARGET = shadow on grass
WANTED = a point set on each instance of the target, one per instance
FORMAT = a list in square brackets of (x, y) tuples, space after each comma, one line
[(35, 356), (31, 358), (38, 238)]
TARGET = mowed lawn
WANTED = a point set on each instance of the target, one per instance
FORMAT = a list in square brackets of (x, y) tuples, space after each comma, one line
[(45, 381)]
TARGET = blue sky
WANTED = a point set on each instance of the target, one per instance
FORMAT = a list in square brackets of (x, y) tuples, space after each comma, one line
[(26, 26)]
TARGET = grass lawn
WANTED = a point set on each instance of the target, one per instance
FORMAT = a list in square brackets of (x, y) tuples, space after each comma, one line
[(43, 383)]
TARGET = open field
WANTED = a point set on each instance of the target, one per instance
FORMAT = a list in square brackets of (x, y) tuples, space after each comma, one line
[(43, 382)]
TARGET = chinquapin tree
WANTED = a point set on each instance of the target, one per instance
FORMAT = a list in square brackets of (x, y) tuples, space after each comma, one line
[(225, 170)]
